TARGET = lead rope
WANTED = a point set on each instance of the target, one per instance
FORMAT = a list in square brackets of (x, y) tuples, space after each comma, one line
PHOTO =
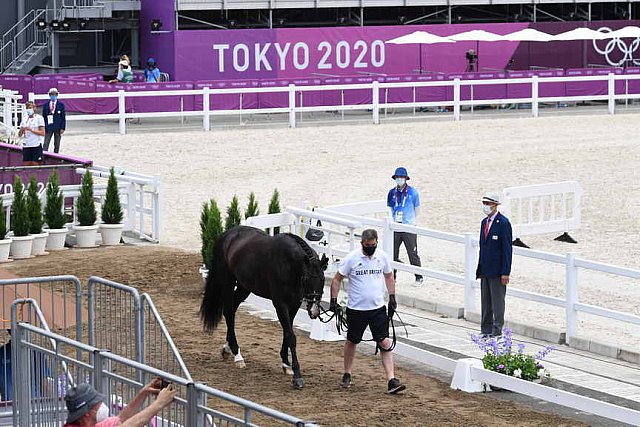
[(341, 324)]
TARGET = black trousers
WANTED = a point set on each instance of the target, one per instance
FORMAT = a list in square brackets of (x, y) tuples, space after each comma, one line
[(492, 294), (57, 136), (410, 241)]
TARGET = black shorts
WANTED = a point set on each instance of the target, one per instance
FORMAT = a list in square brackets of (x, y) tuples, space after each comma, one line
[(32, 154), (376, 320)]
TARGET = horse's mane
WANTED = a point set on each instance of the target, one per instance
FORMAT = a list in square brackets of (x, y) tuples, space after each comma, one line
[(304, 245)]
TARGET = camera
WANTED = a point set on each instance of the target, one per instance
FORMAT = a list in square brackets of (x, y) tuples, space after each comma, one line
[(164, 383), (471, 55)]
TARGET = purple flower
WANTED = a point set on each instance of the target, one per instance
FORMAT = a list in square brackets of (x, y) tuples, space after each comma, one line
[(500, 367), (539, 366), (482, 345), (494, 346), (520, 348), (544, 352)]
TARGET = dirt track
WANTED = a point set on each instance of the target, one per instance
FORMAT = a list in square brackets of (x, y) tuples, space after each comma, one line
[(170, 277)]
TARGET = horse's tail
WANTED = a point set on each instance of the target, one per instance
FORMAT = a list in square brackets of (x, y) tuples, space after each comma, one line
[(213, 302)]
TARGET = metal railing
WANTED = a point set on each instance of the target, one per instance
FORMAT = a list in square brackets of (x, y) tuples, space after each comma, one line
[(119, 379), (20, 38), (295, 95)]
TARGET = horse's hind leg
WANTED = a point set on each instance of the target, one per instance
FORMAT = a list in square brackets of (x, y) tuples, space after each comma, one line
[(229, 317)]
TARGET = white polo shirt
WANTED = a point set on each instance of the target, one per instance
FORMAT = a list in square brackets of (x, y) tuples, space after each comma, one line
[(34, 123), (366, 279)]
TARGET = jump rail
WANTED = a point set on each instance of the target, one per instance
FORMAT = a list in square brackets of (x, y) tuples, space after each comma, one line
[(374, 106)]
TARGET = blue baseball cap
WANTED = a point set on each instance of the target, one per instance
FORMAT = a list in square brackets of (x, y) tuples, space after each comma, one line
[(400, 172)]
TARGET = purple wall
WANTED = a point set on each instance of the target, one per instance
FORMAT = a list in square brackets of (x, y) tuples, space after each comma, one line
[(11, 155), (339, 51), (158, 45)]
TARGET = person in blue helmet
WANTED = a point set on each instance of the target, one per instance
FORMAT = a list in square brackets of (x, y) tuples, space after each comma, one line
[(152, 72), (404, 203)]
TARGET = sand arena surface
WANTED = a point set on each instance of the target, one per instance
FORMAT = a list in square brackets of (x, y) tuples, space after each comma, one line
[(451, 163)]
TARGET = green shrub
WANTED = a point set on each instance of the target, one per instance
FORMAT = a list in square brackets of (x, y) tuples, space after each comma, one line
[(19, 210), (252, 207), (86, 208), (53, 215), (3, 221), (210, 230), (274, 207), (112, 210), (233, 215), (34, 207)]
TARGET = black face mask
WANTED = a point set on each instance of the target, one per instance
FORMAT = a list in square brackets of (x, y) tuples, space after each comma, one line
[(369, 250)]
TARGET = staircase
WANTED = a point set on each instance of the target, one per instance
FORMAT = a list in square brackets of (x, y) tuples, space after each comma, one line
[(24, 46)]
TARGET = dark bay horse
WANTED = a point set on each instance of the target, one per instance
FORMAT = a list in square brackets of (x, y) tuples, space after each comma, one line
[(282, 268)]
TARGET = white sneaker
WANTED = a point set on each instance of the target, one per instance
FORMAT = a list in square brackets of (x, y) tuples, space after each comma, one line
[(418, 283)]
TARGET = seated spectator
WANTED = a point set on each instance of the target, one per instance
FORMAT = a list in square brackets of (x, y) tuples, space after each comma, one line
[(125, 73), (87, 407), (152, 72)]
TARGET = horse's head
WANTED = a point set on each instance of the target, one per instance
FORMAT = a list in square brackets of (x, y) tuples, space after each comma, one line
[(313, 283)]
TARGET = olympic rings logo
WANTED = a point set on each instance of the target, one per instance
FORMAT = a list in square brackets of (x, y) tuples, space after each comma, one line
[(627, 51)]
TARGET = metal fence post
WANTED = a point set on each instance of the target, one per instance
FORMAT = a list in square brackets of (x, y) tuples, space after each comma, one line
[(20, 374), (292, 105), (456, 99), (122, 109), (100, 381), (534, 96), (192, 405), (469, 273), (206, 124), (571, 295), (611, 79), (376, 103)]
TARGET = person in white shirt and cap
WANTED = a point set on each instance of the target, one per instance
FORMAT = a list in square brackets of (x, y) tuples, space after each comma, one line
[(494, 265)]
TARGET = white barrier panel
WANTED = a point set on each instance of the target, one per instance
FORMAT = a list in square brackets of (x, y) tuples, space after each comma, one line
[(543, 208), (360, 208)]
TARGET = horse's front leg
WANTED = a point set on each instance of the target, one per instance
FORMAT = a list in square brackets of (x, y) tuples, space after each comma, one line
[(289, 342)]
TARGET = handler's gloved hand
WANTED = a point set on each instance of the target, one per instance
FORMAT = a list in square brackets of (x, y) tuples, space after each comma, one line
[(333, 305), (392, 306)]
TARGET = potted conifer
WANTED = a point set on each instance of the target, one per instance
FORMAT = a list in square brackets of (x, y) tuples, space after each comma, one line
[(34, 207), (252, 207), (210, 232), (233, 215), (111, 227), (274, 207), (86, 229), (21, 241), (5, 242), (53, 214)]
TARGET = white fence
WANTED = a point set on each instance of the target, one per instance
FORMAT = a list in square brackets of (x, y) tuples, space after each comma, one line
[(340, 237), (543, 208), (10, 109), (375, 106), (139, 194)]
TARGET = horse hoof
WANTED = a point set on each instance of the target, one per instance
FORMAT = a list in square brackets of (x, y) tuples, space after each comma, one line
[(240, 364), (287, 370), (224, 354), (298, 383)]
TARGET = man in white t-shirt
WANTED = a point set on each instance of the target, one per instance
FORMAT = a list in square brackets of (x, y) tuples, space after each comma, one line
[(32, 130), (369, 271)]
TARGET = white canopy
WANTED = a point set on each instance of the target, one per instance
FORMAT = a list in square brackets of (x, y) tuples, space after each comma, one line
[(626, 32), (419, 37), (581, 33), (476, 36), (528, 35)]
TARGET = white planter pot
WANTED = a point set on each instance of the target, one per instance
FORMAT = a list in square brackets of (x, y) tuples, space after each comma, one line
[(86, 235), (39, 243), (56, 238), (21, 247), (111, 234), (5, 246)]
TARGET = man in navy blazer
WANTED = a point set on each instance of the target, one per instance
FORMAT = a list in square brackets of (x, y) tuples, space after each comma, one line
[(55, 120), (494, 265)]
